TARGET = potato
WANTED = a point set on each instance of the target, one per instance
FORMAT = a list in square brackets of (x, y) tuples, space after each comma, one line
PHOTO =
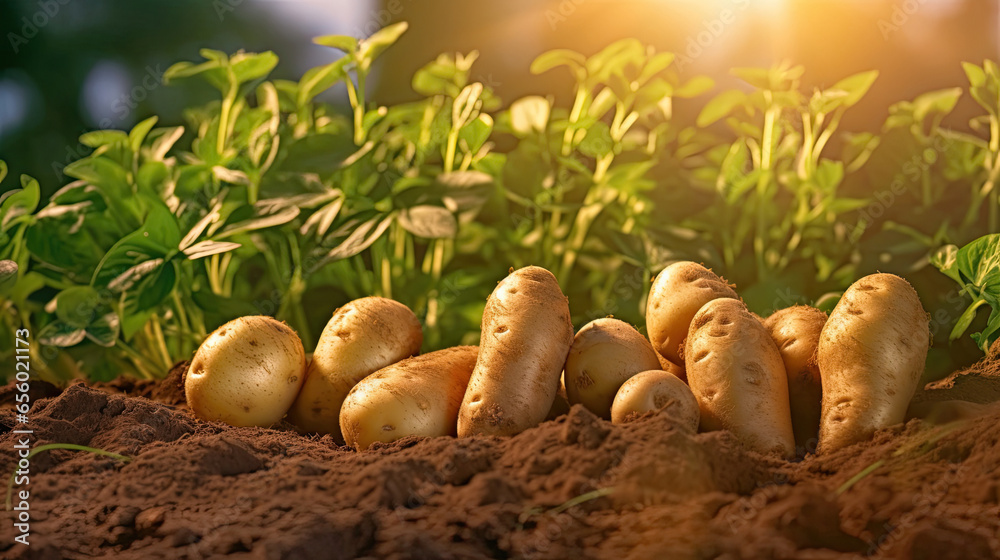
[(678, 292), (605, 353), (795, 330), (361, 338), (736, 373), (526, 335), (418, 396), (871, 355), (246, 373), (655, 390)]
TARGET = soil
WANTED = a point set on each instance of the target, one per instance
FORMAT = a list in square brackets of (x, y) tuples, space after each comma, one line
[(574, 487)]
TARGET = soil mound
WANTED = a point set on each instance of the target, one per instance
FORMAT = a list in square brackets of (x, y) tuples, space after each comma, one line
[(576, 486)]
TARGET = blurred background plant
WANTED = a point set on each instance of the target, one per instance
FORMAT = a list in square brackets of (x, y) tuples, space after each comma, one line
[(292, 189)]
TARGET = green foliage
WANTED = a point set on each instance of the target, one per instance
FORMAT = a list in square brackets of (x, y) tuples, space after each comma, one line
[(267, 202), (976, 268)]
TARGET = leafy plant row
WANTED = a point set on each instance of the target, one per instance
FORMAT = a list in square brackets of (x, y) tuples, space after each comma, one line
[(268, 202)]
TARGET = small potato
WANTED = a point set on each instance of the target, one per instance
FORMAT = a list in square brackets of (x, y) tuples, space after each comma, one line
[(655, 390), (605, 353), (678, 292), (871, 355), (526, 335), (361, 338), (795, 330), (246, 373), (418, 396), (736, 373)]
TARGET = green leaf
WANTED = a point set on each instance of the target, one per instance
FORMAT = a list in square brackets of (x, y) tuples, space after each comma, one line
[(979, 264), (990, 334), (965, 320), (8, 275), (695, 87), (17, 205), (320, 79), (430, 222), (252, 66), (976, 75), (342, 42), (76, 306), (98, 138), (720, 107), (3, 170), (945, 259), (559, 57), (58, 333), (529, 114), (369, 49), (476, 133), (130, 259), (360, 239), (139, 132), (939, 102), (265, 214), (856, 86), (208, 248), (104, 331), (153, 290)]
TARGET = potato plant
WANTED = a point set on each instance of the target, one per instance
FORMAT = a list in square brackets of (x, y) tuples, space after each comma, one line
[(266, 201)]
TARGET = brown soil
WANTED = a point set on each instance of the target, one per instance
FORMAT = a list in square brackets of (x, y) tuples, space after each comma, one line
[(574, 487)]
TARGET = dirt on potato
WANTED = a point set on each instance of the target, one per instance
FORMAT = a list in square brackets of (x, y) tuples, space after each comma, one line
[(574, 487)]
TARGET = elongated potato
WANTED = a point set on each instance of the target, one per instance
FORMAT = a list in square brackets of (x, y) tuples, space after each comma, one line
[(526, 335), (246, 373), (418, 396), (656, 390), (361, 338), (605, 353), (871, 355), (736, 373), (795, 330), (678, 292)]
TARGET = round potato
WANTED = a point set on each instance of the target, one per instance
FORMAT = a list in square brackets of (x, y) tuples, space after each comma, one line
[(871, 354), (361, 338), (736, 373), (605, 353), (418, 396), (526, 335), (678, 292), (246, 373), (652, 391), (795, 331)]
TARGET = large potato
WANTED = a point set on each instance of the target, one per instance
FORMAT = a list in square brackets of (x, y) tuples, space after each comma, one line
[(736, 373), (418, 396), (246, 373), (361, 338), (871, 355), (652, 391), (678, 292), (795, 330), (605, 353), (526, 335)]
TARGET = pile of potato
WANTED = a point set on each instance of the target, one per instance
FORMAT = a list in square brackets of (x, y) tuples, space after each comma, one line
[(708, 362)]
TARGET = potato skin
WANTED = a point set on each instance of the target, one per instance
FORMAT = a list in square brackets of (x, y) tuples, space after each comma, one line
[(655, 390), (605, 353), (678, 292), (736, 373), (526, 335), (418, 396), (246, 373), (871, 355), (795, 330), (361, 338)]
